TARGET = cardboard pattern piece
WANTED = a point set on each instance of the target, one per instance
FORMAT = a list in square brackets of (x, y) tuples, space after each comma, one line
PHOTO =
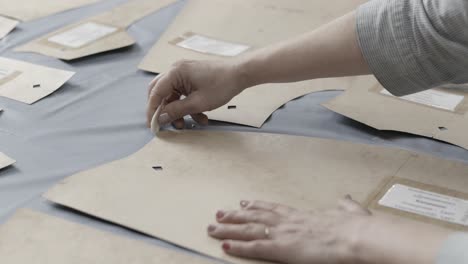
[(26, 10), (28, 83), (5, 161), (439, 113), (6, 26), (33, 237), (172, 188), (221, 29), (255, 105), (101, 33)]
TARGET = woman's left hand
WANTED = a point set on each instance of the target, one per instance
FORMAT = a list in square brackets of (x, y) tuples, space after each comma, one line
[(274, 232)]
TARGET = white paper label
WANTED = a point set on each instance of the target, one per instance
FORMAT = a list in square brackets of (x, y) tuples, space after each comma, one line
[(4, 73), (212, 46), (434, 98), (82, 35), (425, 203)]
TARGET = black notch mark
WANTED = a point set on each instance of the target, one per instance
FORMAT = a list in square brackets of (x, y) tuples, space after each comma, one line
[(37, 86), (157, 168), (443, 128), (232, 107)]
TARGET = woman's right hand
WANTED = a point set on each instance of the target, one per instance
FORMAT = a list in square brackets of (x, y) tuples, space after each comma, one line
[(206, 86)]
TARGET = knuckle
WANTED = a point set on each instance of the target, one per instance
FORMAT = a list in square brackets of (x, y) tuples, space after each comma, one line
[(276, 207), (150, 89), (156, 93), (277, 245), (252, 205), (249, 228), (178, 63), (296, 219), (198, 103), (218, 232), (182, 64), (232, 215), (257, 217), (288, 229), (172, 73), (257, 248), (192, 107), (241, 216)]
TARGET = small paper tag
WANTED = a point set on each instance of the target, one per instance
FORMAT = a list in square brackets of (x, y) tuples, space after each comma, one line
[(6, 26), (5, 161), (82, 35), (212, 46), (155, 128), (425, 203), (434, 98)]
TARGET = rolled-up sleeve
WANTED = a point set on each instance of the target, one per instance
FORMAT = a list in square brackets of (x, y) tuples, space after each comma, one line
[(414, 45), (454, 250)]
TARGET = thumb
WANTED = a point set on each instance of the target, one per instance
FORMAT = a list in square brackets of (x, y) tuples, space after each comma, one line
[(180, 108)]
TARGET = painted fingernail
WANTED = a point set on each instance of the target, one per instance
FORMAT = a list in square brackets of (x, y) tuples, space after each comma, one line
[(164, 119), (220, 214), (244, 204), (211, 228), (226, 246)]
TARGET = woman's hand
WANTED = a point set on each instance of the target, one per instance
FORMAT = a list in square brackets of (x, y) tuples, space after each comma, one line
[(330, 51), (206, 85), (278, 233)]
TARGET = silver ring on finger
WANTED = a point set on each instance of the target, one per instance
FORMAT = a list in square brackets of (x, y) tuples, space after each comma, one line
[(267, 232)]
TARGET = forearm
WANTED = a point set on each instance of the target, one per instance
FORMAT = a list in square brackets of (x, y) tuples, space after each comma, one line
[(395, 241), (330, 51)]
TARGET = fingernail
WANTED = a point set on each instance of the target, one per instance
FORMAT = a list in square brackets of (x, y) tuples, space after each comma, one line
[(211, 228), (226, 246), (220, 214), (244, 204), (164, 119)]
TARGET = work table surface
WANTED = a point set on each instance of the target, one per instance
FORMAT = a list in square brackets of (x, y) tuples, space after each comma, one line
[(99, 116)]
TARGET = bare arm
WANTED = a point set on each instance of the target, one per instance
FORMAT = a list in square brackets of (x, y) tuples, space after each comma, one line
[(330, 51), (391, 241), (409, 45)]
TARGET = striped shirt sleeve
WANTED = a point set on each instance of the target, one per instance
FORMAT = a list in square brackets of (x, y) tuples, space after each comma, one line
[(414, 45)]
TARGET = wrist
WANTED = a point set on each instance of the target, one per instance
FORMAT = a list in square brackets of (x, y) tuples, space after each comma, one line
[(355, 239), (248, 73), (389, 240), (241, 74)]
